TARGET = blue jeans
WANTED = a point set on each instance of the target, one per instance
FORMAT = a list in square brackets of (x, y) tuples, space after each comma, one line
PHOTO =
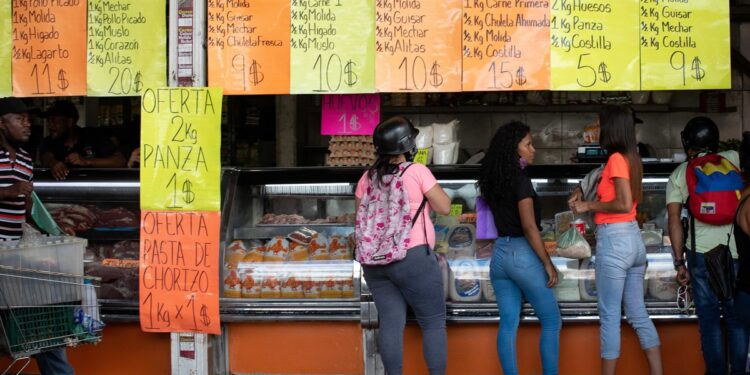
[(516, 271), (415, 281), (53, 362), (742, 307), (620, 267), (710, 310)]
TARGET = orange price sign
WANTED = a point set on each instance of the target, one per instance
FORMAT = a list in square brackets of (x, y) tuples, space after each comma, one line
[(248, 46), (418, 46), (505, 45), (179, 271), (49, 48)]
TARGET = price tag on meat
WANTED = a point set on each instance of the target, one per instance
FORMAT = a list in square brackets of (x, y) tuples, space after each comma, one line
[(418, 45), (5, 50), (594, 45), (685, 45), (248, 46), (179, 272), (332, 46), (49, 48), (505, 45), (127, 47), (180, 148)]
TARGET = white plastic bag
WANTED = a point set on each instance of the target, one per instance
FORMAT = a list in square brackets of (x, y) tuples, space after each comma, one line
[(445, 153), (424, 138), (444, 133), (571, 244)]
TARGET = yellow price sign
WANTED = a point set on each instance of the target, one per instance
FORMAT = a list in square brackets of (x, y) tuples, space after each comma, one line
[(421, 156), (457, 210)]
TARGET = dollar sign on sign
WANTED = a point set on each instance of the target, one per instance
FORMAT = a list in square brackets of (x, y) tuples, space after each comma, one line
[(698, 72), (256, 76), (520, 76), (204, 316), (351, 76), (137, 82), (436, 79), (605, 75), (187, 189), (63, 82)]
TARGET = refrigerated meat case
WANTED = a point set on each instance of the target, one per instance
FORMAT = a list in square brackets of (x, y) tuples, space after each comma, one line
[(109, 198), (272, 214)]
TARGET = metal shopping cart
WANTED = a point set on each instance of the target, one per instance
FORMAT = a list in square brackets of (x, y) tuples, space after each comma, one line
[(42, 310)]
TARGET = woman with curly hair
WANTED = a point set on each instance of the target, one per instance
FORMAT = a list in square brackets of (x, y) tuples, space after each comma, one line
[(620, 252), (520, 267)]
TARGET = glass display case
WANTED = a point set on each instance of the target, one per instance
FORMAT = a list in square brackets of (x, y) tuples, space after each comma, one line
[(102, 206), (287, 243)]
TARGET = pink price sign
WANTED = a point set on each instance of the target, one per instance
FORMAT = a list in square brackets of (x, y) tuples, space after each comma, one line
[(349, 114)]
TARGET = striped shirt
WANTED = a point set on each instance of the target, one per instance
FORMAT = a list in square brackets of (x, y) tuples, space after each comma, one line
[(13, 210)]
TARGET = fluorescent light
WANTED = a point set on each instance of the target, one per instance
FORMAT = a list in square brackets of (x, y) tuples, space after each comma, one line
[(573, 180), (457, 181), (539, 180), (337, 184), (655, 180), (88, 184)]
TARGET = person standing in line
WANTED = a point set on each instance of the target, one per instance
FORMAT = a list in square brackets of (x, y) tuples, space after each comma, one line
[(415, 280), (520, 266), (701, 137), (16, 175), (620, 252), (742, 240)]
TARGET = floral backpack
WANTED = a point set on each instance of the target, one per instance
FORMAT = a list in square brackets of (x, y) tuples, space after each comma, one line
[(383, 220)]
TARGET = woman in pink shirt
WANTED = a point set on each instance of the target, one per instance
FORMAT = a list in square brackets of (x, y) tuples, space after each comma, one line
[(415, 280)]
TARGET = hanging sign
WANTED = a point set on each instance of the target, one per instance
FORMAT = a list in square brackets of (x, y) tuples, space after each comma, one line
[(594, 45), (180, 148), (505, 45), (353, 114), (5, 49), (179, 271), (418, 45), (127, 44), (49, 48), (332, 46), (685, 45), (248, 46)]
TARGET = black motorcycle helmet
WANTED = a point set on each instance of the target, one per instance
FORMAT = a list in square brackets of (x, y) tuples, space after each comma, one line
[(700, 134), (395, 136)]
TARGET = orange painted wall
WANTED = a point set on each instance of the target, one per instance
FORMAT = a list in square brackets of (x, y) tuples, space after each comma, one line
[(124, 350), (472, 350), (296, 348)]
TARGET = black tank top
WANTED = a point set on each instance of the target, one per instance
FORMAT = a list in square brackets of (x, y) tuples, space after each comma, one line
[(742, 240)]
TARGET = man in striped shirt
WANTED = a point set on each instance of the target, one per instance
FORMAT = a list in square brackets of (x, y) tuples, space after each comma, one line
[(16, 174)]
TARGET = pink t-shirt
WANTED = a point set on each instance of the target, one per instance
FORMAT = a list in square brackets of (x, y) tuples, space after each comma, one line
[(418, 180)]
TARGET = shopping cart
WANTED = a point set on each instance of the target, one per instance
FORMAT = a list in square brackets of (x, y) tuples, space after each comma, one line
[(42, 310)]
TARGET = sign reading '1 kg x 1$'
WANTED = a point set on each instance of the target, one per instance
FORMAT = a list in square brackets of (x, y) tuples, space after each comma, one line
[(180, 149)]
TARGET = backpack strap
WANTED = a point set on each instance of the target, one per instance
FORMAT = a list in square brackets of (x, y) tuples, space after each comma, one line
[(419, 212), (405, 168)]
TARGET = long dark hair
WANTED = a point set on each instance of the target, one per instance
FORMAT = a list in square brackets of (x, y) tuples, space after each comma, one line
[(617, 134), (745, 157), (501, 165), (382, 167)]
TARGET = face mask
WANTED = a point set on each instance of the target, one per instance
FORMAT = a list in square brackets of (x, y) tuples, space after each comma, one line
[(522, 162)]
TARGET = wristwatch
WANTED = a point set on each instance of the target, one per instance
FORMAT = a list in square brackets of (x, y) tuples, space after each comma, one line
[(678, 262)]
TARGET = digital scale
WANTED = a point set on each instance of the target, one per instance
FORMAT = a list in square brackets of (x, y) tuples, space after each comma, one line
[(591, 153)]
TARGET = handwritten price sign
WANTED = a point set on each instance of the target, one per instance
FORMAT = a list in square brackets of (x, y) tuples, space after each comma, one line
[(5, 50), (594, 44), (180, 149), (179, 271), (248, 46), (685, 45), (332, 47), (138, 31), (350, 114), (49, 54)]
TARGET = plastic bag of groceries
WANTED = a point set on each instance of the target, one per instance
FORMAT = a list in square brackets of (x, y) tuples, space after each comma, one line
[(572, 244)]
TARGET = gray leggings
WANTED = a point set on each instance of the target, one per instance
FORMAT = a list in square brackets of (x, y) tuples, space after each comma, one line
[(416, 281)]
